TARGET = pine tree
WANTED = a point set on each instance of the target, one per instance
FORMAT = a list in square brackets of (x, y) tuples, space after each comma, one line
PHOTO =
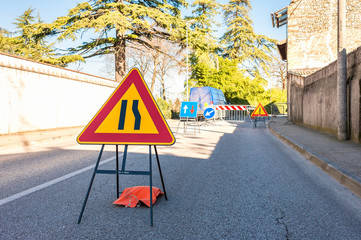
[(7, 42), (204, 45), (26, 43), (118, 24), (30, 46), (240, 40), (204, 14)]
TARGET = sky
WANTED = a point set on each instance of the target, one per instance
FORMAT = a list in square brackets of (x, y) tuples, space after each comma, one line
[(50, 10)]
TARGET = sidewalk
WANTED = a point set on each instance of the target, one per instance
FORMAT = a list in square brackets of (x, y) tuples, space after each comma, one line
[(24, 139), (340, 159)]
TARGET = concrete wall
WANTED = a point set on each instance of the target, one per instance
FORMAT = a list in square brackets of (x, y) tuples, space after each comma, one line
[(314, 98), (312, 32), (36, 96)]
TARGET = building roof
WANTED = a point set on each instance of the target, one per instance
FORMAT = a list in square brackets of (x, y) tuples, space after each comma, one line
[(282, 49), (303, 72), (279, 18)]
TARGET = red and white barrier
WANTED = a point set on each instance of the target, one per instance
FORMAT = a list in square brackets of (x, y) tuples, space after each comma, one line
[(231, 107)]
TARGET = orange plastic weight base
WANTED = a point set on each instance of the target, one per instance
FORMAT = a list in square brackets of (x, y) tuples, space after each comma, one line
[(131, 196)]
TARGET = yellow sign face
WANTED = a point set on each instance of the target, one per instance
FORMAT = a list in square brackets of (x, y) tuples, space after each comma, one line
[(111, 122), (259, 111), (129, 116)]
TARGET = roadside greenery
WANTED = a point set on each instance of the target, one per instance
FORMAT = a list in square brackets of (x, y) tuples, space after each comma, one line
[(116, 25), (240, 62), (165, 107), (25, 42)]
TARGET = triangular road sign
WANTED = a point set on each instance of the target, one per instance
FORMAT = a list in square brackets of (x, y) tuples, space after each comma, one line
[(129, 116), (259, 111)]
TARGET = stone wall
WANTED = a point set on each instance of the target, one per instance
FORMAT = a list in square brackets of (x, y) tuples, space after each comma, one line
[(312, 32), (354, 93), (314, 98), (320, 99), (36, 96), (295, 97)]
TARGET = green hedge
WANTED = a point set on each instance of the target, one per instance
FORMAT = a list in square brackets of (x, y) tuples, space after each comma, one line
[(165, 107)]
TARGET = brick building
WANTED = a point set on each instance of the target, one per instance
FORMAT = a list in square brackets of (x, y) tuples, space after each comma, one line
[(312, 32), (311, 53)]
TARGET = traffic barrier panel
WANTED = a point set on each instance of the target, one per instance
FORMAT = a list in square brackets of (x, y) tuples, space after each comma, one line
[(231, 107), (237, 113), (279, 109)]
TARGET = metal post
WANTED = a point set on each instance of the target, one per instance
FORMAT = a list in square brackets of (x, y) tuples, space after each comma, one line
[(187, 64), (150, 185), (117, 168), (199, 129), (188, 22), (341, 71), (160, 172), (178, 125), (90, 185), (124, 157)]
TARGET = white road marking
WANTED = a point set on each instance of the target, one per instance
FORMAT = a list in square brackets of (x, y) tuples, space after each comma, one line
[(54, 181)]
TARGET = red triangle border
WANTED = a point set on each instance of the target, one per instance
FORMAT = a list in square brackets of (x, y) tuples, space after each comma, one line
[(259, 115), (164, 137)]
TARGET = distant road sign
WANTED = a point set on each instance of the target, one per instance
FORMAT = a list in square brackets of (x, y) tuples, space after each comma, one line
[(259, 111), (188, 109), (129, 116), (209, 113)]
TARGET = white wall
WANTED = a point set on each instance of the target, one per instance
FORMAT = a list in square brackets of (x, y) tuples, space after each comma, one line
[(36, 96)]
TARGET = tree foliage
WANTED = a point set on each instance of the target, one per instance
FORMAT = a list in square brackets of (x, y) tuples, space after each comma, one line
[(30, 45), (201, 39), (165, 107), (237, 85), (234, 63), (278, 70), (158, 63), (240, 40), (117, 24)]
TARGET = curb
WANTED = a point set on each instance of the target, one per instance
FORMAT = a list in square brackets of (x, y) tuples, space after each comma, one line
[(347, 181)]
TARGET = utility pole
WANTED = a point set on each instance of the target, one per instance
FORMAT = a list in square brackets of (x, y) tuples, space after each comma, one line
[(187, 64), (188, 22), (341, 71)]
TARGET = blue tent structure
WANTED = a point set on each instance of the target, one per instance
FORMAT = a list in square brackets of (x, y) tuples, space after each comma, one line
[(206, 96)]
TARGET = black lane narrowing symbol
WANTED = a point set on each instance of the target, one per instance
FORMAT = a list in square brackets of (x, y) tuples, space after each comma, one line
[(123, 110), (135, 110), (136, 115)]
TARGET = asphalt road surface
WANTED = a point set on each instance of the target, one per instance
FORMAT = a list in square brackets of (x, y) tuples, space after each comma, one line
[(229, 182)]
